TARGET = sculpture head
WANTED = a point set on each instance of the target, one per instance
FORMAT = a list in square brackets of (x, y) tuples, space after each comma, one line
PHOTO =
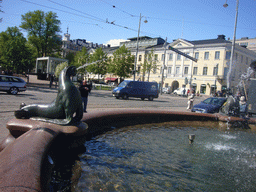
[(253, 65), (70, 71)]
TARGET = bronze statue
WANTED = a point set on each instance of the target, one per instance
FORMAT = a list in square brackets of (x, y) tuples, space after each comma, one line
[(67, 103)]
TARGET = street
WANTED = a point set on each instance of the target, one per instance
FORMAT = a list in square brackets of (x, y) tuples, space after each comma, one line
[(98, 100)]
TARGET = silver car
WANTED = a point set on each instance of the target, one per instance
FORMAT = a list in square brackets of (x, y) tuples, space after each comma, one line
[(12, 85)]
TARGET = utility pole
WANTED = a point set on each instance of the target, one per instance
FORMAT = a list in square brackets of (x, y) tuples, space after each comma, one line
[(137, 49), (233, 47), (163, 67)]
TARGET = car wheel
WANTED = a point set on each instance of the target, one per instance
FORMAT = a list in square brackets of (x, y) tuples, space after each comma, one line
[(150, 98), (125, 96), (142, 98), (13, 90), (117, 97)]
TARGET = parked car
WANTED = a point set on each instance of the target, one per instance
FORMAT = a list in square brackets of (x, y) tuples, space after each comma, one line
[(209, 105), (166, 90), (180, 91), (139, 89), (12, 85)]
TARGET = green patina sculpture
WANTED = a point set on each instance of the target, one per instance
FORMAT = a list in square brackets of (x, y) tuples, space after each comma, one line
[(67, 103)]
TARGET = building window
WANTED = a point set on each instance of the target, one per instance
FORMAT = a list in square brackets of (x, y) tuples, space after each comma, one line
[(217, 55), (203, 89), (215, 70), (186, 70), (186, 57), (197, 55), (162, 57), (138, 72), (225, 72), (244, 44), (169, 70), (195, 71), (140, 56), (205, 69), (170, 57), (178, 57), (206, 56), (228, 54), (177, 70)]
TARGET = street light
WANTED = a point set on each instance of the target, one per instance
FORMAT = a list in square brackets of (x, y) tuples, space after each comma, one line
[(233, 44), (137, 48)]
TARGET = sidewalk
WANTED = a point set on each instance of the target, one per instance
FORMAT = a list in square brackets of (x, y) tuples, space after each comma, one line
[(34, 82)]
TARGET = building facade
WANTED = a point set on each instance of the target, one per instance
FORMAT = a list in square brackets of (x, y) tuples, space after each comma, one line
[(206, 76), (72, 46), (249, 43)]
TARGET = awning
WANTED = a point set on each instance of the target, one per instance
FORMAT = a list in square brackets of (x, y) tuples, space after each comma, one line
[(111, 79)]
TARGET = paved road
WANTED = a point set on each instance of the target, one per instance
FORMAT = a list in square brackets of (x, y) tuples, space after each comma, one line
[(98, 100)]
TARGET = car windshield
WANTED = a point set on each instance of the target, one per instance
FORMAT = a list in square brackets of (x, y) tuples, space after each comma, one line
[(213, 101), (123, 84)]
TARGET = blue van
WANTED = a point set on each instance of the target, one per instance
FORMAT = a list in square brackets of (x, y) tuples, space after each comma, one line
[(139, 89)]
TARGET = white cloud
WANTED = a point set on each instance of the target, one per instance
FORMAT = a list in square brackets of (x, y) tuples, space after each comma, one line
[(115, 42)]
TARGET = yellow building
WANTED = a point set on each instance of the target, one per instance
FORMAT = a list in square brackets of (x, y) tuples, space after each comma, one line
[(207, 75)]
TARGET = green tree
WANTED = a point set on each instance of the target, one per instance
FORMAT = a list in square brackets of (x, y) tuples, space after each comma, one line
[(59, 68), (100, 67), (15, 54), (122, 62), (149, 64), (81, 58), (70, 57), (42, 29)]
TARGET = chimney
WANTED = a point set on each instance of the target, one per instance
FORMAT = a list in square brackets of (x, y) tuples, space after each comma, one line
[(221, 37)]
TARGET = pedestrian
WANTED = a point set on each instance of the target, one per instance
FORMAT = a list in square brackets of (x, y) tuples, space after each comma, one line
[(51, 80), (242, 107), (85, 89), (191, 100), (184, 92)]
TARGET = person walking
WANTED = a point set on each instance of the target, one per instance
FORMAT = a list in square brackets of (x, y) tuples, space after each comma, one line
[(51, 80), (191, 100), (85, 89), (242, 107)]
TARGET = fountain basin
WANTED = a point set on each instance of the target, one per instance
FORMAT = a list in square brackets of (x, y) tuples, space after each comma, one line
[(22, 159)]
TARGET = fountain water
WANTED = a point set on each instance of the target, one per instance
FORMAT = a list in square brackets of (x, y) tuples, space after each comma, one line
[(157, 157)]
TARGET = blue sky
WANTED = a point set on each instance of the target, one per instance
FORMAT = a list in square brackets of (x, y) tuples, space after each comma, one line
[(187, 19)]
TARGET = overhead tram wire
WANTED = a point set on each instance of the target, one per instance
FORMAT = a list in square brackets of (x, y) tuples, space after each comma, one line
[(94, 18), (98, 19), (62, 10), (118, 8), (76, 10)]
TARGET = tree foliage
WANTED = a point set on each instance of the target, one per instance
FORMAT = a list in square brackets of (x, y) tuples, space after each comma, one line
[(15, 54), (70, 57), (149, 64), (122, 62), (59, 68), (81, 58), (42, 29), (99, 68)]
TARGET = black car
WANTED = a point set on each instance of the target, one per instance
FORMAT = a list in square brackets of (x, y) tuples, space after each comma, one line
[(209, 105)]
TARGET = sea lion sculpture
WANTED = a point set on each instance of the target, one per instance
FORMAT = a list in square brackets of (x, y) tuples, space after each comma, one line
[(67, 103)]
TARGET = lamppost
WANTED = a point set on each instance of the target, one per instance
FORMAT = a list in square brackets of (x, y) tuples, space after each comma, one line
[(233, 45), (137, 48)]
